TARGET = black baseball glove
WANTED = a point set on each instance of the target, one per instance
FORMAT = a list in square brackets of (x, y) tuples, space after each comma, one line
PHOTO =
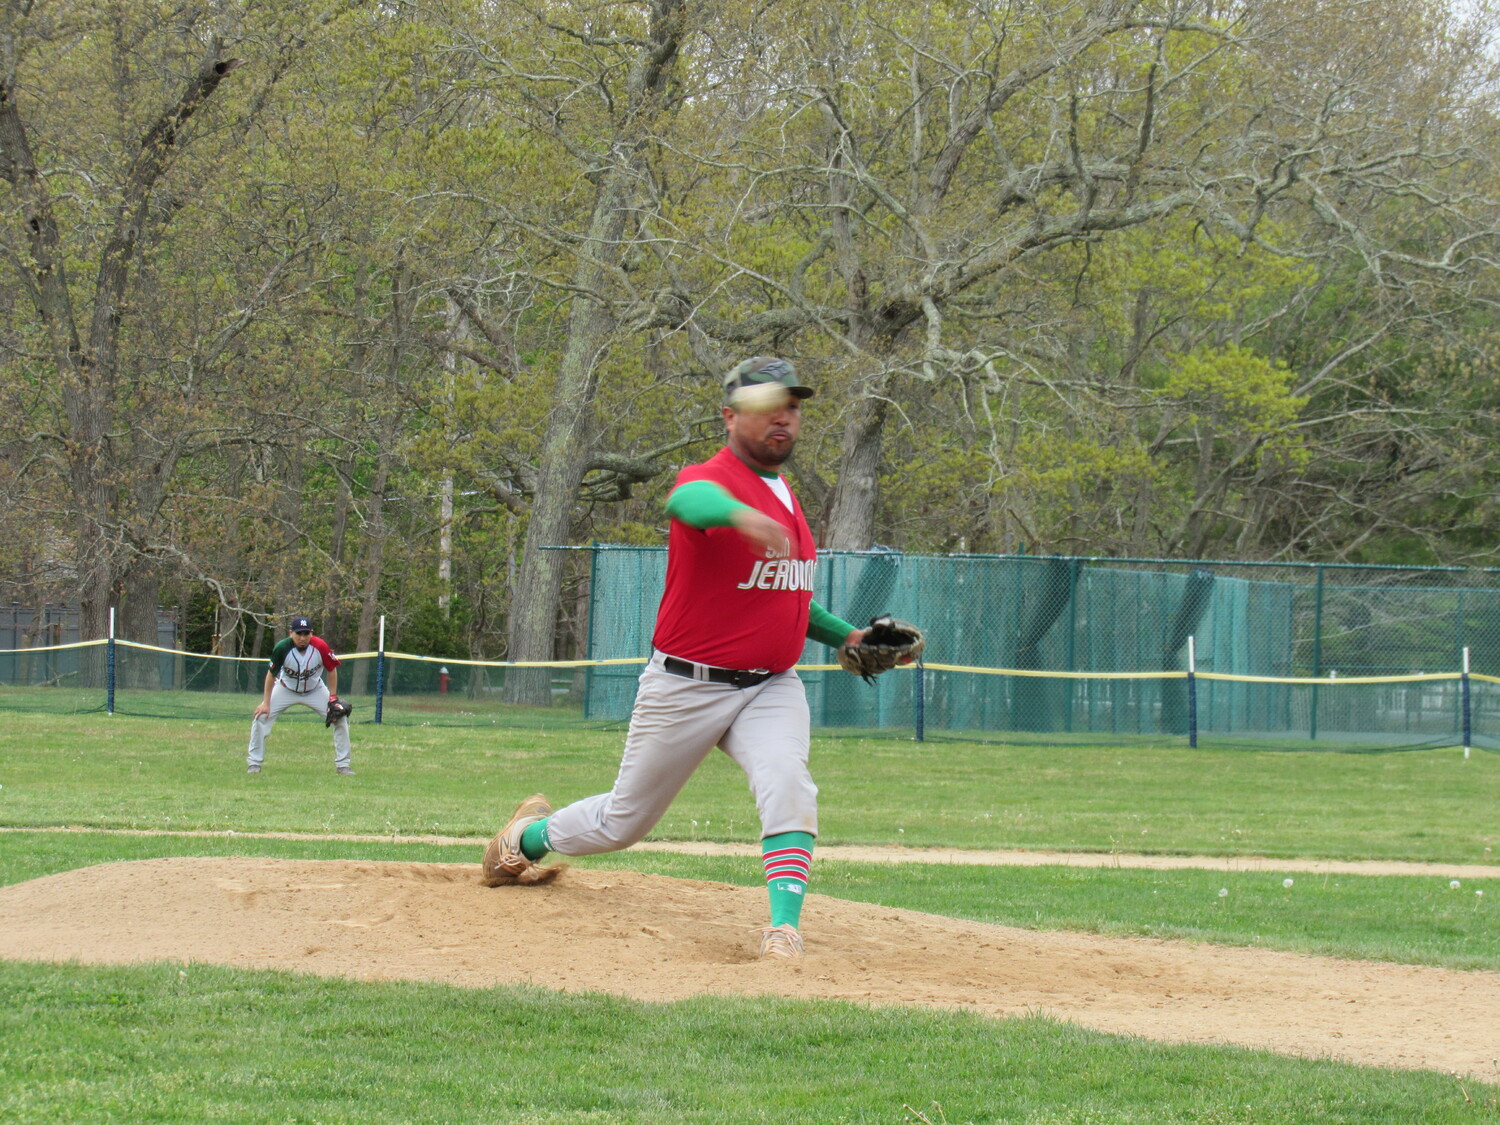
[(337, 709), (887, 644)]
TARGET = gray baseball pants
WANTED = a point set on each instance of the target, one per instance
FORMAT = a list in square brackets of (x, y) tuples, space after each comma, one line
[(676, 722), (283, 697)]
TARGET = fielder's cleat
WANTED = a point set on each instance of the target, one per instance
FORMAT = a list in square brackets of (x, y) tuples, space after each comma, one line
[(345, 769), (781, 941), (504, 863), (252, 769)]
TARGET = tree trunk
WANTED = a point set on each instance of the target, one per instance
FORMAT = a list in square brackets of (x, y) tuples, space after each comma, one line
[(851, 516), (138, 621), (535, 598), (229, 630), (534, 601), (96, 588)]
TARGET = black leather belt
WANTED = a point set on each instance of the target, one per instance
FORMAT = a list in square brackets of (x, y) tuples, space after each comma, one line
[(733, 676)]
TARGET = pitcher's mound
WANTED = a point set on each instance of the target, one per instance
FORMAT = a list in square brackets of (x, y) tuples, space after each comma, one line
[(655, 938)]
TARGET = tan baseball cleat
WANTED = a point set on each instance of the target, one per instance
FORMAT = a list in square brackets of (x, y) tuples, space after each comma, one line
[(504, 863), (780, 941)]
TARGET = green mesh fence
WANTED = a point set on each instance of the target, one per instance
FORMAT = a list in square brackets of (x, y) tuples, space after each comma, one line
[(1021, 649), (1071, 649)]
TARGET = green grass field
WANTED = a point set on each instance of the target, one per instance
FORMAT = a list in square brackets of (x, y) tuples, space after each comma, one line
[(125, 772), (195, 1043)]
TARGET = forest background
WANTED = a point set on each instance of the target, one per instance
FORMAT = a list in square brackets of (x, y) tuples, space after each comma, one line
[(354, 308)]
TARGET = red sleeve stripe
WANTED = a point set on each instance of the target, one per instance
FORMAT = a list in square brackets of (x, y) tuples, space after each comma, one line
[(329, 660)]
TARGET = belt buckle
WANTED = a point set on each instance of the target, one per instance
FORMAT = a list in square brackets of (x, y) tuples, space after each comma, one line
[(759, 671)]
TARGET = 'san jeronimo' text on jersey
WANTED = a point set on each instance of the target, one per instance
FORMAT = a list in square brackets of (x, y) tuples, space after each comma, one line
[(724, 604)]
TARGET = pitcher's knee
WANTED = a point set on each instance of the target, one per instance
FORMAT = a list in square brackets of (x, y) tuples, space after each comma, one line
[(793, 809)]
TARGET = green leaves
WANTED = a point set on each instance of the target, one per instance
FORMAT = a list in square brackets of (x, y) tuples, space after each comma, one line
[(1234, 392)]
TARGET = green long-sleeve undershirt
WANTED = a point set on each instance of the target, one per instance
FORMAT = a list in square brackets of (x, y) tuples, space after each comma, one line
[(703, 504)]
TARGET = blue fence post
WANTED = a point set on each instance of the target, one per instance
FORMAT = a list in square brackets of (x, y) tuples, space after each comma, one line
[(1468, 713), (109, 666), (380, 671), (1192, 694), (919, 706)]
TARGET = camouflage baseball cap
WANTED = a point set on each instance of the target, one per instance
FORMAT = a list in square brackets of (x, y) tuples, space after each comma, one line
[(764, 369)]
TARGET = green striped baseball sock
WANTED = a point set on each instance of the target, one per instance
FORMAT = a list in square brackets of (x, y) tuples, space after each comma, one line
[(534, 842), (788, 861)]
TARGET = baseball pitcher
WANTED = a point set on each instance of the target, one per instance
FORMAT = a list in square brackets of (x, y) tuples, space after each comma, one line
[(734, 616)]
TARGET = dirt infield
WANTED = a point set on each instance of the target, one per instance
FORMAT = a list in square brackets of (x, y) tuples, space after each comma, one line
[(655, 938)]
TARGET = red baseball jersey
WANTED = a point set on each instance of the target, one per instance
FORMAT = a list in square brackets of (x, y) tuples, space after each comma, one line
[(725, 604)]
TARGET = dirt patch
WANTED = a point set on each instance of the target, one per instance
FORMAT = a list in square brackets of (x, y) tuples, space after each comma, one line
[(654, 938)]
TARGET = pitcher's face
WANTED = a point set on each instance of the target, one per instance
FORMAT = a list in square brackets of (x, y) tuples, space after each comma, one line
[(764, 439)]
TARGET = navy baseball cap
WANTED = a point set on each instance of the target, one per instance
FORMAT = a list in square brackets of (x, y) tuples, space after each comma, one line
[(765, 369), (299, 624)]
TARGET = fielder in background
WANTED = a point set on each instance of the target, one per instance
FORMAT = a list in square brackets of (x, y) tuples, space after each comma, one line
[(295, 676), (734, 616)]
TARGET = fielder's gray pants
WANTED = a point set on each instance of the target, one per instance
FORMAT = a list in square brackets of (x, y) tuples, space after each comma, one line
[(283, 697), (676, 722)]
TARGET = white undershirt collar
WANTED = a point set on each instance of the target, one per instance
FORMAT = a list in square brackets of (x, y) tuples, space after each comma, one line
[(778, 486)]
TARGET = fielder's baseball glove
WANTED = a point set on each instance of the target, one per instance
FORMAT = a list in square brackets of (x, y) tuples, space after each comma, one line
[(337, 709), (887, 644)]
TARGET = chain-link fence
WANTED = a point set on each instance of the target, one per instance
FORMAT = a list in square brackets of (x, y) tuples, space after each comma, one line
[(1287, 655), (1282, 656)]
